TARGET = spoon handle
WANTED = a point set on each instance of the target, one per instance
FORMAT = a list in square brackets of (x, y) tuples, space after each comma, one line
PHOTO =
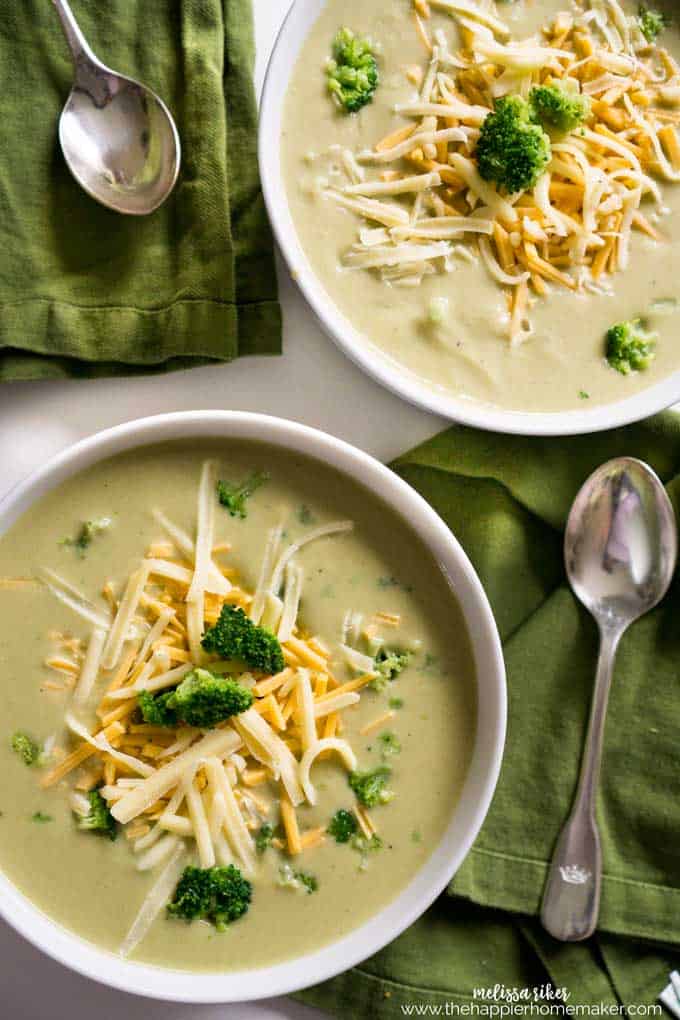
[(74, 37), (571, 900)]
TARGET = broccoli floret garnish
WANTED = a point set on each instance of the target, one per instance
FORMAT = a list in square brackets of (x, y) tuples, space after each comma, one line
[(233, 495), (202, 699), (512, 150), (370, 787), (629, 347), (297, 880), (651, 22), (98, 819), (88, 530), (342, 826), (155, 709), (27, 749), (219, 895), (41, 817), (310, 882), (352, 72), (263, 839), (366, 846), (388, 664), (396, 703), (390, 743), (557, 109), (235, 636)]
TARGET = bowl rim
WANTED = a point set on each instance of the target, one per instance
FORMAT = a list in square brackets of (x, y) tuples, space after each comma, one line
[(358, 348), (434, 875)]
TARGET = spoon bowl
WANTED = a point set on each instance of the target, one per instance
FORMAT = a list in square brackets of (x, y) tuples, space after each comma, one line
[(620, 548), (620, 542), (119, 139)]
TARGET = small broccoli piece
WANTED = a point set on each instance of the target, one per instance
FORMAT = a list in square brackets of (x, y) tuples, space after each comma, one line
[(369, 787), (88, 530), (651, 22), (41, 817), (296, 880), (396, 703), (390, 743), (366, 846), (352, 72), (343, 825), (388, 665), (235, 636), (310, 882), (263, 839), (233, 495), (26, 748), (512, 150), (558, 109), (98, 819), (219, 895), (629, 347), (155, 709)]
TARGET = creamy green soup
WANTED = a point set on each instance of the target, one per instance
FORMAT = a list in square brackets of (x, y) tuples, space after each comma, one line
[(89, 884), (464, 348)]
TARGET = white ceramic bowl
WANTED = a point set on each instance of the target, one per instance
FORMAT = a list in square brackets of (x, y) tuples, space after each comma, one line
[(358, 347), (470, 811)]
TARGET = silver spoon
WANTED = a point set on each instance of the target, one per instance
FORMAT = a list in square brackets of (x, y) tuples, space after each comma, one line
[(620, 548), (118, 138)]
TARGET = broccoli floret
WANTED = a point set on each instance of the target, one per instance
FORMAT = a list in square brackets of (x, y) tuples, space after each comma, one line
[(219, 895), (557, 109), (352, 71), (366, 846), (310, 882), (390, 743), (629, 347), (233, 495), (512, 150), (41, 817), (388, 664), (651, 22), (202, 699), (235, 636), (396, 703), (155, 709), (370, 787), (263, 839), (98, 819), (342, 826), (26, 748), (296, 880), (88, 530)]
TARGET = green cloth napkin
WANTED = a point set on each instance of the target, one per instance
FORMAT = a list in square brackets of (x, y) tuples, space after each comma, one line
[(85, 291), (506, 498)]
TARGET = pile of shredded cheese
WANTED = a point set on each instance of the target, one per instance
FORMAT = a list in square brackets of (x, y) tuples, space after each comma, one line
[(424, 202), (174, 788)]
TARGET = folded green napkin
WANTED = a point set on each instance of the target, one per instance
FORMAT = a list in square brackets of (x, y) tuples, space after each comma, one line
[(85, 291), (506, 498)]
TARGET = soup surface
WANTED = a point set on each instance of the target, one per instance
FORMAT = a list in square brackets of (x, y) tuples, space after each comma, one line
[(558, 360), (420, 725)]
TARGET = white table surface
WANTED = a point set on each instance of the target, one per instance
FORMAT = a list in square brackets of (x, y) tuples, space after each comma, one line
[(313, 383)]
